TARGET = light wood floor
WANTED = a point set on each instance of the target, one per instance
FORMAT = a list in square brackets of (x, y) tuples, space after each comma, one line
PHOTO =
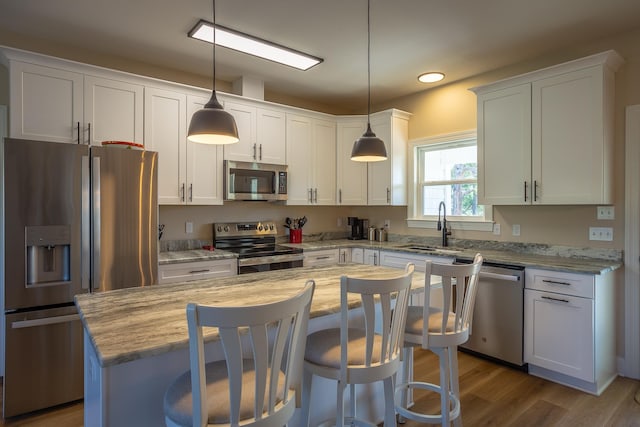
[(491, 394)]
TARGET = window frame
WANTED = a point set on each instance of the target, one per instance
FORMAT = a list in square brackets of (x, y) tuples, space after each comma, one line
[(414, 217)]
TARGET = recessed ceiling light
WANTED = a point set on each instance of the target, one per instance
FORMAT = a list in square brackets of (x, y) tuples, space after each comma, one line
[(430, 77), (245, 43)]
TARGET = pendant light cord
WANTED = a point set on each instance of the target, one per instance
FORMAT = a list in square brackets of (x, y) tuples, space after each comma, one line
[(368, 61), (214, 45)]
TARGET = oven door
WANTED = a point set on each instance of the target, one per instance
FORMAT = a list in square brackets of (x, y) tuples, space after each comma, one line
[(269, 263)]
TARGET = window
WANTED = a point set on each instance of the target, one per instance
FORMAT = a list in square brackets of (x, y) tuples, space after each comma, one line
[(446, 170)]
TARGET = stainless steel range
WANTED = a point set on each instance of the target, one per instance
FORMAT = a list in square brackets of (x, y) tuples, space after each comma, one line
[(255, 244)]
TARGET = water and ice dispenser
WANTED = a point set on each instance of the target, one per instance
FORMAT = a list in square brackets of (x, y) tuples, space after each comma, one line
[(48, 254)]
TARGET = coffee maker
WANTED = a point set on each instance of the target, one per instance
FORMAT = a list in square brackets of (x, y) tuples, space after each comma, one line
[(358, 228)]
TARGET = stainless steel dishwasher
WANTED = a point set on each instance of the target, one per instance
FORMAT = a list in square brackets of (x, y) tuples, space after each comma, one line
[(497, 327)]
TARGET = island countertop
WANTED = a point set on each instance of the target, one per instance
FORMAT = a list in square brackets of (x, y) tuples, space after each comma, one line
[(134, 323)]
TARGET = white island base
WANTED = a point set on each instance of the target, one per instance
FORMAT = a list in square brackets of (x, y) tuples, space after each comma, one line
[(131, 394)]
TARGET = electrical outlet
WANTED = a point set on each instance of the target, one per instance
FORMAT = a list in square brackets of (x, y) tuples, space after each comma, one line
[(387, 224), (601, 233), (606, 212), (339, 223), (496, 229), (515, 229), (188, 227)]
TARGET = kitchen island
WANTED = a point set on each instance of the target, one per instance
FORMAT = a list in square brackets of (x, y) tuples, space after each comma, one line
[(136, 340)]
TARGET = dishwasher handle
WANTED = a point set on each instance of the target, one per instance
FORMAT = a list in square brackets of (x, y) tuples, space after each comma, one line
[(497, 276)]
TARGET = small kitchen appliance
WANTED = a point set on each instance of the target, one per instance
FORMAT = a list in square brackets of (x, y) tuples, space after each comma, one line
[(359, 228), (255, 244)]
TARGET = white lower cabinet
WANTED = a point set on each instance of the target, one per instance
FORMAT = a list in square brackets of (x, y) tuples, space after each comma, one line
[(357, 255), (344, 255), (321, 257), (188, 271), (569, 328)]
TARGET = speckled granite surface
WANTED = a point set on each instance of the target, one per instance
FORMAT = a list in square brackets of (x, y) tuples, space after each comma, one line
[(558, 258), (134, 323)]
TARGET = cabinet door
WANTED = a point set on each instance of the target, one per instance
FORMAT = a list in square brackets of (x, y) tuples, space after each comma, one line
[(371, 257), (113, 111), (357, 255), (323, 162), (245, 150), (344, 255), (504, 146), (351, 176), (568, 138), (204, 165), (299, 150), (165, 131), (559, 335), (271, 136), (379, 173), (46, 103)]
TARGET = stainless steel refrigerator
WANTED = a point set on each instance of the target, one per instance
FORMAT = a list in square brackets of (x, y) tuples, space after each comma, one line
[(77, 219)]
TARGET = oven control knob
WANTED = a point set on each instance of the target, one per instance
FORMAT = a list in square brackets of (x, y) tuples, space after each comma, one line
[(219, 228), (226, 228), (271, 227), (260, 228)]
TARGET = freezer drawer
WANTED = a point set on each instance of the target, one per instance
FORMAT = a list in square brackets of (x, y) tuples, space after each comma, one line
[(44, 359)]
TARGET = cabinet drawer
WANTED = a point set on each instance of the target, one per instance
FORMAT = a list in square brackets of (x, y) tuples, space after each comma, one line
[(322, 257), (188, 271), (581, 285)]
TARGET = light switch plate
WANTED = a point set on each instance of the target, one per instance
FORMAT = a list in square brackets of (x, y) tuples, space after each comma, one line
[(188, 227), (515, 230), (601, 233), (496, 229)]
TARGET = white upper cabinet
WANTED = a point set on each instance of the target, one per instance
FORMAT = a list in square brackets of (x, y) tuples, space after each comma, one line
[(351, 184), (546, 137), (262, 133), (188, 173), (51, 104), (113, 110), (387, 180), (311, 148)]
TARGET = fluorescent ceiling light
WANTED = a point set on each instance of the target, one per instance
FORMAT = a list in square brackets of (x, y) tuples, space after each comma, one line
[(431, 77), (235, 40)]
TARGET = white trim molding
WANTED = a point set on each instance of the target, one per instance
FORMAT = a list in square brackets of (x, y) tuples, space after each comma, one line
[(632, 244)]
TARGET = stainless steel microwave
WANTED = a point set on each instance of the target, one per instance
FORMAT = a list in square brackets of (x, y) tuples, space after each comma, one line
[(254, 181)]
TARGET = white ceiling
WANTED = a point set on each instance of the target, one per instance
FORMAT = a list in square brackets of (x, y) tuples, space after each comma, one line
[(459, 37)]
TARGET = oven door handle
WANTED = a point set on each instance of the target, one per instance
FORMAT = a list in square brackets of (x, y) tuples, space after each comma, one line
[(507, 277)]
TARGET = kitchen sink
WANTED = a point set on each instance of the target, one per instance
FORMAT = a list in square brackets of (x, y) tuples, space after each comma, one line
[(431, 249)]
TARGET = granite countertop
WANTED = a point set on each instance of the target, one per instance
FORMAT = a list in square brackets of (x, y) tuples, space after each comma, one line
[(134, 323), (532, 256)]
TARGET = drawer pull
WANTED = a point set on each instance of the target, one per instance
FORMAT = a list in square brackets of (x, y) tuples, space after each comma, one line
[(556, 299), (199, 271), (323, 257), (553, 282)]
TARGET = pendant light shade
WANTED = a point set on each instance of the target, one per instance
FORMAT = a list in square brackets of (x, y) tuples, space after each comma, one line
[(368, 148), (213, 125)]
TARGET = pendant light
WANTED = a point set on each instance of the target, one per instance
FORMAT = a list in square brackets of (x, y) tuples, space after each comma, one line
[(368, 148), (213, 125)]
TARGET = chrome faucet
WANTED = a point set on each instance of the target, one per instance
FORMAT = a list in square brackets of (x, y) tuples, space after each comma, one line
[(442, 226)]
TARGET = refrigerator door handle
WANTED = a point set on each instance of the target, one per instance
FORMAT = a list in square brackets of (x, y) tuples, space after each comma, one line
[(46, 321), (85, 242), (95, 171)]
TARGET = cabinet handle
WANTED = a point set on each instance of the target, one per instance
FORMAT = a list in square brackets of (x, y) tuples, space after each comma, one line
[(553, 282), (323, 257), (525, 191), (556, 299), (340, 196), (388, 195), (78, 132), (191, 192), (310, 195), (315, 195), (375, 259), (260, 151), (89, 140), (199, 271), (181, 191), (343, 257), (535, 191), (254, 152)]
